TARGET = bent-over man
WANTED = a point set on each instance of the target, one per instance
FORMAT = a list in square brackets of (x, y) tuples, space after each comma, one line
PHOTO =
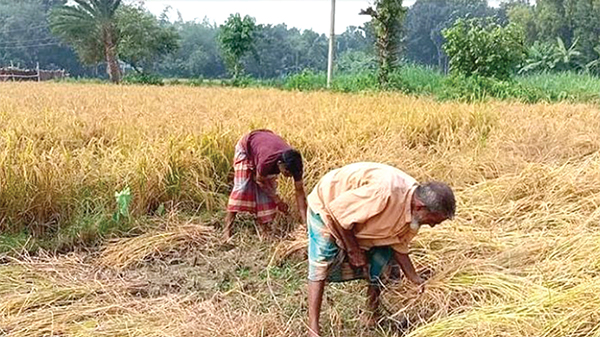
[(260, 157), (359, 218)]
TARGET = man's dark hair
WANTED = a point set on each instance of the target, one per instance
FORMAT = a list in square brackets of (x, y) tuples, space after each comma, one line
[(438, 198), (292, 159)]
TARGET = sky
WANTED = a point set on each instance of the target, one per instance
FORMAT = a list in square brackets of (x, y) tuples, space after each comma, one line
[(303, 14)]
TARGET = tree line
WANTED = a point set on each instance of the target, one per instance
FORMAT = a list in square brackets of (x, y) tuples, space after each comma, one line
[(91, 37)]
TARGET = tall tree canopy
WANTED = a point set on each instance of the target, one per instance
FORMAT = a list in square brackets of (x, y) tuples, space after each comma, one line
[(236, 38), (91, 27)]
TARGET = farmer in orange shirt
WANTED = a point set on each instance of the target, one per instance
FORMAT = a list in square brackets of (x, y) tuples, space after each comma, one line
[(260, 157), (359, 217)]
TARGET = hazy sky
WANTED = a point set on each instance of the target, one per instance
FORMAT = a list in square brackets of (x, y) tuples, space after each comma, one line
[(303, 14)]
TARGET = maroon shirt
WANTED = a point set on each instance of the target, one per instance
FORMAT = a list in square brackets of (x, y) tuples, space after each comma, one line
[(264, 149)]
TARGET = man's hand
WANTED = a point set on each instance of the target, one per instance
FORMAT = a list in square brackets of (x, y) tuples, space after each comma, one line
[(421, 284), (283, 207), (409, 271), (417, 280)]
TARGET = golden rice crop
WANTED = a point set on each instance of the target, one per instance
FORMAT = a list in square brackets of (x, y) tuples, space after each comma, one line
[(520, 259)]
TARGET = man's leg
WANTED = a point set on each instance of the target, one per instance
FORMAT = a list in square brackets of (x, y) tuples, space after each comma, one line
[(322, 251), (373, 300), (315, 298), (379, 258), (229, 218)]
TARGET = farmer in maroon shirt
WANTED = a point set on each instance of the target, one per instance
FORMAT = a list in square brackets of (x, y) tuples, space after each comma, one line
[(259, 157)]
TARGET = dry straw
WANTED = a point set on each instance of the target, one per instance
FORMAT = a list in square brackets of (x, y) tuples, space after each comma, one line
[(123, 253)]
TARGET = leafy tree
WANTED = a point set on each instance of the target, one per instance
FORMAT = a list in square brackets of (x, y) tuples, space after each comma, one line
[(144, 40), (356, 39), (280, 51), (583, 18), (313, 51), (198, 54), (425, 21), (276, 51), (552, 20), (90, 26), (236, 38), (570, 20), (521, 13), (386, 18), (484, 48)]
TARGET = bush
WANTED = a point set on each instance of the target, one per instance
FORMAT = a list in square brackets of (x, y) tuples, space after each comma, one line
[(418, 79), (81, 80), (544, 57), (355, 82), (356, 62), (483, 48), (541, 57), (143, 78), (478, 88), (306, 80)]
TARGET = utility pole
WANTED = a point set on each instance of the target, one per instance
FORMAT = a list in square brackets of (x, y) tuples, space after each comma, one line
[(331, 45)]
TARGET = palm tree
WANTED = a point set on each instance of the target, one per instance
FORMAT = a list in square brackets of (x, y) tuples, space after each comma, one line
[(89, 25)]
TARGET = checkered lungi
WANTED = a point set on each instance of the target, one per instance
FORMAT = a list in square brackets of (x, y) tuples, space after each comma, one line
[(246, 195)]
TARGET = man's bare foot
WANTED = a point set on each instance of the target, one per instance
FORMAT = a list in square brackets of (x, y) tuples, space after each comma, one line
[(226, 237), (228, 229), (225, 243)]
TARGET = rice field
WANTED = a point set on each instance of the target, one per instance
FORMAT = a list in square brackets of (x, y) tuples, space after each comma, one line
[(520, 258)]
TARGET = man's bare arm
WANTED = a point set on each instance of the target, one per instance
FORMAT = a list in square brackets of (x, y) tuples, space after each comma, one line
[(408, 268), (355, 254), (300, 199)]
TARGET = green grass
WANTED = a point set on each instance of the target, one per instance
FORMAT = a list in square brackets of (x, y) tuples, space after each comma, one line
[(564, 86), (426, 81), (412, 79), (420, 80)]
